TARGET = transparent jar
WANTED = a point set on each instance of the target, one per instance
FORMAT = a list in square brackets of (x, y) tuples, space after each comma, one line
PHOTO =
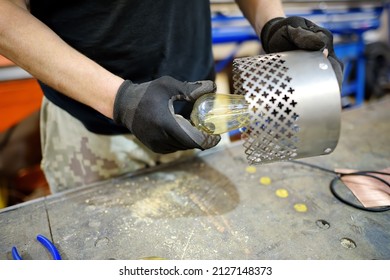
[(217, 113)]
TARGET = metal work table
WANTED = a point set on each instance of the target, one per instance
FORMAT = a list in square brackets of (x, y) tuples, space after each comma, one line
[(211, 207)]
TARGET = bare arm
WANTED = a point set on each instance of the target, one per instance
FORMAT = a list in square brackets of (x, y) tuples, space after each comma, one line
[(36, 48), (258, 12)]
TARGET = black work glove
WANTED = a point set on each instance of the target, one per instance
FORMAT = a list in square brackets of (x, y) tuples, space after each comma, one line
[(147, 110), (294, 33)]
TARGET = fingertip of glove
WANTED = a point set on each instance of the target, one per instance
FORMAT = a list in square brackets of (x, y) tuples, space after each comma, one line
[(202, 87), (199, 138), (211, 86), (211, 141)]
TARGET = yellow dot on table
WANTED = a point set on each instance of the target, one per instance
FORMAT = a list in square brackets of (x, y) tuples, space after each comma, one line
[(300, 207), (251, 169), (153, 258), (283, 193), (265, 180)]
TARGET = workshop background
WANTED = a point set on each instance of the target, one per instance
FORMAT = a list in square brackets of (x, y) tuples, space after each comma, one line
[(361, 30), (216, 205)]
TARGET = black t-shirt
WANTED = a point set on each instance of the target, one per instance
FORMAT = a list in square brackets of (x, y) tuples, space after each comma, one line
[(139, 40)]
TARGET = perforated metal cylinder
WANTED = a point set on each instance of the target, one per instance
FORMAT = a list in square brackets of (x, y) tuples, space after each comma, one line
[(294, 102)]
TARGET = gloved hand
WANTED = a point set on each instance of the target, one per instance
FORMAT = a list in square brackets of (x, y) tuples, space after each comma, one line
[(147, 110), (294, 33)]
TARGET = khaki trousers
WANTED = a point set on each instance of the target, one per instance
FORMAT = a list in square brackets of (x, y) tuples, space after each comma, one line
[(75, 157)]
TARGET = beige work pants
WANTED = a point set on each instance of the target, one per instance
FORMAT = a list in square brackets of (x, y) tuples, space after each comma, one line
[(75, 157)]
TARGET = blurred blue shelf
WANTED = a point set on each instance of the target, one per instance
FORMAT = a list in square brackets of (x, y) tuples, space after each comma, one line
[(350, 24)]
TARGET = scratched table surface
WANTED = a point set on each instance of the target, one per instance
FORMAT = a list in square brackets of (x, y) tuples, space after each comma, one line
[(213, 207)]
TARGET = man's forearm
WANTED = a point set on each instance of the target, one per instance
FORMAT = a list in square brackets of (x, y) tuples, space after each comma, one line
[(258, 12), (34, 47)]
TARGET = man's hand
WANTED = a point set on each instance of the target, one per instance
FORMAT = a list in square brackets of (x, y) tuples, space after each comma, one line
[(293, 33), (147, 110)]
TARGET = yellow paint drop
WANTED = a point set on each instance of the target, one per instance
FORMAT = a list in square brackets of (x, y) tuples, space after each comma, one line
[(282, 193), (153, 258), (300, 207), (265, 180), (251, 169)]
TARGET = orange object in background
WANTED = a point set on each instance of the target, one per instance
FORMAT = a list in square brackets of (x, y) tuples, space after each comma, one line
[(18, 98), (20, 155)]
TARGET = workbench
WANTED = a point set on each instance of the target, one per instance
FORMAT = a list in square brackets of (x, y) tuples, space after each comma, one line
[(212, 206)]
